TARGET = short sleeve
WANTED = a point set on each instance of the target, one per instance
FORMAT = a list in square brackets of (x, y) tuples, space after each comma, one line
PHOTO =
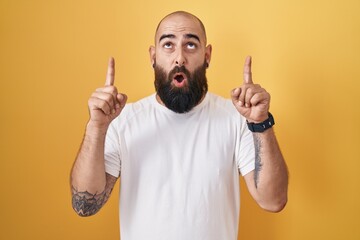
[(245, 150), (112, 151)]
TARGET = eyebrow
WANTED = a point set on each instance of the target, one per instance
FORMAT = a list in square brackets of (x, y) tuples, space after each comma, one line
[(166, 36), (188, 35)]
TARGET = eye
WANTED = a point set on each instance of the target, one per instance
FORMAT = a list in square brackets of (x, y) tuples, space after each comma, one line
[(191, 45), (168, 45)]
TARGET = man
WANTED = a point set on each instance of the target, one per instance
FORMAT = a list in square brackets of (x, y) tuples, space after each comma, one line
[(180, 151)]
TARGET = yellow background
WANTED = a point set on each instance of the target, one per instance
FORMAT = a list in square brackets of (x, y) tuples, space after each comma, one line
[(53, 54)]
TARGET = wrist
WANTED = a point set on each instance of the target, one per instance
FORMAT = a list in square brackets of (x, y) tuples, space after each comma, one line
[(261, 126), (95, 129), (259, 119)]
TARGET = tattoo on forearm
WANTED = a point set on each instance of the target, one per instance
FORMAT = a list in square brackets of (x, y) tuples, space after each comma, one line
[(258, 164), (87, 204)]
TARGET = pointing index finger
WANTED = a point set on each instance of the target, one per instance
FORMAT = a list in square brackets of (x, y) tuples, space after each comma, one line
[(110, 75), (247, 70)]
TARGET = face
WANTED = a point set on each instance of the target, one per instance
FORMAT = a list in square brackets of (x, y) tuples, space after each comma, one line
[(180, 57)]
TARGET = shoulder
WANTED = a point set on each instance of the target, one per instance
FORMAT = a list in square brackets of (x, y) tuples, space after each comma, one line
[(224, 108), (144, 104), (222, 105), (132, 110)]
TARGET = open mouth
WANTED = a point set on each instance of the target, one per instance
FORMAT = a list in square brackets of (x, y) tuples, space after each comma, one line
[(179, 77)]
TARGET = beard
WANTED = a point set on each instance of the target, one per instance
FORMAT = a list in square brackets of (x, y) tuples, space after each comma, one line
[(181, 99)]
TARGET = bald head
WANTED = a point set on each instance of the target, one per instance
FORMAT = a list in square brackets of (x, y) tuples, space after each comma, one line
[(180, 41), (178, 15)]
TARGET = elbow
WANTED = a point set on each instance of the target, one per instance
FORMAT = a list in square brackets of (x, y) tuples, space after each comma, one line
[(84, 208), (274, 206), (83, 213), (86, 204)]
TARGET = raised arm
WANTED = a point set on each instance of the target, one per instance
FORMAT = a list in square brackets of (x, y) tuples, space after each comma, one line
[(91, 186), (268, 183)]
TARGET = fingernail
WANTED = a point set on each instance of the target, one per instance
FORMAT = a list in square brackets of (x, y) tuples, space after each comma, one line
[(117, 106), (113, 111), (246, 105), (241, 103)]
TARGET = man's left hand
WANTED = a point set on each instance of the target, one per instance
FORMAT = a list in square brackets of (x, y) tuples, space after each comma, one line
[(251, 100)]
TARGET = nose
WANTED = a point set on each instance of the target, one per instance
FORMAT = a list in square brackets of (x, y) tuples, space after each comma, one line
[(180, 58)]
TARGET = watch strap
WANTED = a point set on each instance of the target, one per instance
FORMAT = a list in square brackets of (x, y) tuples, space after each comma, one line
[(261, 127)]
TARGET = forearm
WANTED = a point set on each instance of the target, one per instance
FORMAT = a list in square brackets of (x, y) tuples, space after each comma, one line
[(270, 175), (88, 172)]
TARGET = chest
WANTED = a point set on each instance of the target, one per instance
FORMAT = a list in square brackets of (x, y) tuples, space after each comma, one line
[(178, 148)]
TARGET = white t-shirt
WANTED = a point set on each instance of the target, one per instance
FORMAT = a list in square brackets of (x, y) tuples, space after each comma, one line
[(179, 172)]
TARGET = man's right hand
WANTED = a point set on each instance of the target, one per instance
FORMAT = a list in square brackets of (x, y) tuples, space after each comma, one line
[(105, 104)]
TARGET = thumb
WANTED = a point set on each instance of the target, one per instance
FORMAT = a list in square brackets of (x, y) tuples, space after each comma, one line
[(235, 93), (122, 98)]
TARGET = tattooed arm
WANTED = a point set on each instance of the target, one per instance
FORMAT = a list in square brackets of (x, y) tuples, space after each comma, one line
[(269, 181), (87, 204), (90, 184)]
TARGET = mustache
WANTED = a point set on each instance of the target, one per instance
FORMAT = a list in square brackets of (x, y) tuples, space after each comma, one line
[(178, 69)]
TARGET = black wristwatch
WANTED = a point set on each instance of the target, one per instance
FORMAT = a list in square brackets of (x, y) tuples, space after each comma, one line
[(261, 127)]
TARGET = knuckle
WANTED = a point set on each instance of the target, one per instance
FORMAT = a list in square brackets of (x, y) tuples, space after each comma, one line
[(247, 87), (242, 95), (104, 106), (112, 88), (92, 100), (243, 88), (108, 97)]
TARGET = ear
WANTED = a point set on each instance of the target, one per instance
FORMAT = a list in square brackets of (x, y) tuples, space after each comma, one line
[(208, 51), (152, 55)]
